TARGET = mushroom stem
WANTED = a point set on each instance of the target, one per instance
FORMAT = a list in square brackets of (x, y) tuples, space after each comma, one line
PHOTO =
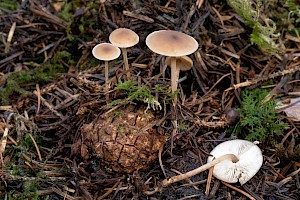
[(174, 74), (174, 79), (198, 170), (194, 172), (106, 81), (102, 2), (124, 52)]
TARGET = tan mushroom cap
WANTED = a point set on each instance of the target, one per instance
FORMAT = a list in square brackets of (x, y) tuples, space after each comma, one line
[(106, 52), (123, 38), (171, 43), (183, 63)]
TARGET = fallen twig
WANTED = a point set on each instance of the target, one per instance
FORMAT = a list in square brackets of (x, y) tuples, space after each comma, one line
[(265, 78)]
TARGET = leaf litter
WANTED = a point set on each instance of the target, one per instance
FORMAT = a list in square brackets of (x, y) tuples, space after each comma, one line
[(42, 144)]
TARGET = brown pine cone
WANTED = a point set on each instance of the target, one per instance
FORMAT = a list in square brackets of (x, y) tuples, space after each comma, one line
[(126, 138)]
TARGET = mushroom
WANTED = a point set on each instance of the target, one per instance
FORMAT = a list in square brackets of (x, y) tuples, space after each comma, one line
[(235, 160), (249, 161), (106, 52), (173, 44), (124, 38), (183, 63)]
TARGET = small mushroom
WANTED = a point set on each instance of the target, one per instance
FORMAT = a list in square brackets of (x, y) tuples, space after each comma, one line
[(106, 52), (249, 161), (183, 63), (173, 44), (124, 38)]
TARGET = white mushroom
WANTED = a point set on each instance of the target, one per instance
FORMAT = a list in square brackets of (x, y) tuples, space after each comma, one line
[(233, 161), (249, 161)]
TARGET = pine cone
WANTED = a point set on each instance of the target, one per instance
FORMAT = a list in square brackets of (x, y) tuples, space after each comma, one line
[(126, 138)]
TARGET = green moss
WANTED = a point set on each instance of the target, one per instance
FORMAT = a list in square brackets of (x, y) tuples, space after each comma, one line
[(29, 178), (135, 93), (244, 9), (20, 83), (282, 16), (294, 10), (23, 82), (165, 94), (258, 121), (182, 126), (9, 4), (79, 15), (10, 88), (63, 55), (30, 191), (117, 114), (293, 17), (94, 62), (265, 37)]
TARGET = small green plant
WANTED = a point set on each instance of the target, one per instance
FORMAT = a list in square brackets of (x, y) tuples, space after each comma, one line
[(79, 18), (29, 177), (294, 8), (263, 36), (183, 126), (293, 16), (9, 4), (136, 93), (258, 121), (117, 114), (167, 96), (22, 82)]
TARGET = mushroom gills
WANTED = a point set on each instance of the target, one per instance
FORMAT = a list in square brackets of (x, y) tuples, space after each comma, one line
[(250, 161)]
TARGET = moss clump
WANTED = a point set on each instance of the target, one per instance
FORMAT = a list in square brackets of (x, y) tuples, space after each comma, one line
[(262, 35), (293, 17), (135, 92), (21, 82), (80, 16), (258, 121), (29, 179), (9, 4)]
